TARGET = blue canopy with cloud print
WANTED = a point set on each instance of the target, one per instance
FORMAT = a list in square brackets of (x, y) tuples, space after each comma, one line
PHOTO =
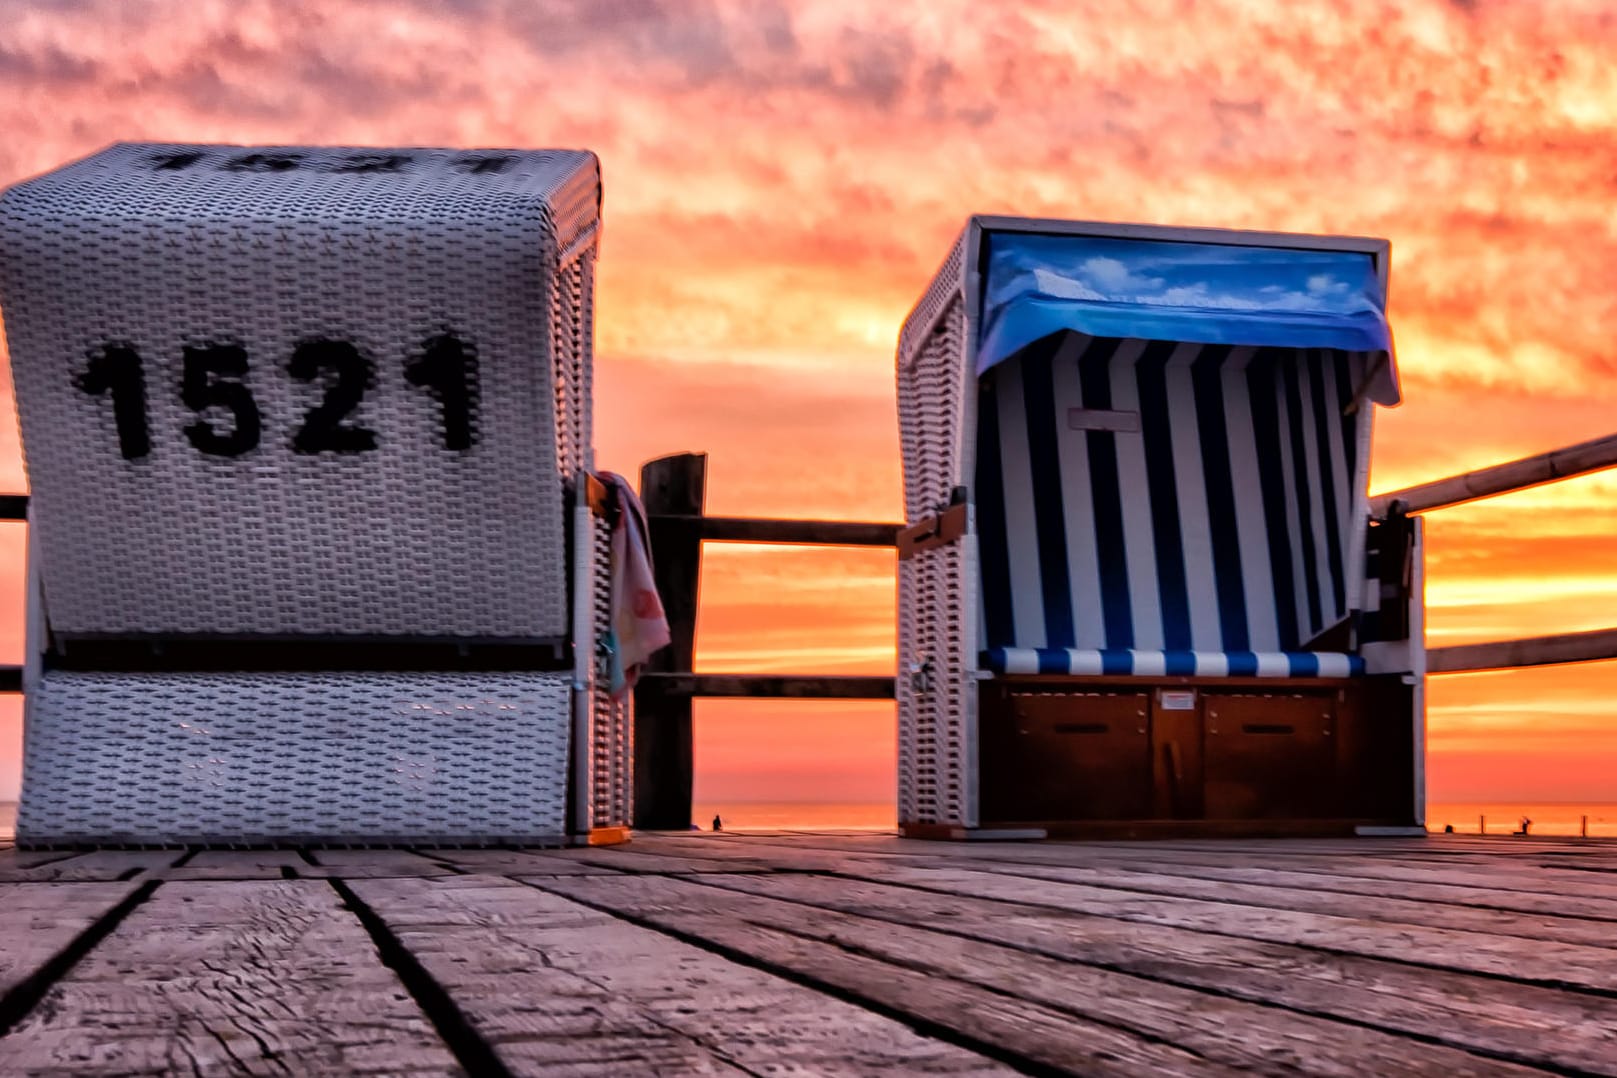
[(1206, 293)]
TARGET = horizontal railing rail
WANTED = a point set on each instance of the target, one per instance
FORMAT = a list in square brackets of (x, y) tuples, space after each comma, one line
[(1497, 479), (823, 687), (793, 532), (1530, 651), (1536, 470)]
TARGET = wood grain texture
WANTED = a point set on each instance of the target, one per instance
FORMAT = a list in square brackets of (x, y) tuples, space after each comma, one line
[(560, 988), (1584, 647), (802, 953), (1219, 1030), (100, 865), (1030, 1033), (260, 977), (1489, 1016), (1531, 471), (38, 920)]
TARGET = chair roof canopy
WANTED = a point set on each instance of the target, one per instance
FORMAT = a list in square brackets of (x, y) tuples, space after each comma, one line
[(1204, 286)]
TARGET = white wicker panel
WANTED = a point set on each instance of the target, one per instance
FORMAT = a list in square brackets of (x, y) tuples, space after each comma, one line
[(912, 651), (931, 393), (943, 289), (266, 249), (572, 319), (255, 758), (611, 744), (937, 686)]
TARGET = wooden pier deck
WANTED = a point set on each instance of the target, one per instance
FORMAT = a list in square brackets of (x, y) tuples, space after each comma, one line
[(817, 954)]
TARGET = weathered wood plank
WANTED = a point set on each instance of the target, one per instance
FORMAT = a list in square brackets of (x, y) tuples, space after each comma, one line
[(1492, 1016), (1496, 874), (256, 977), (1027, 1034), (744, 856), (1577, 907), (369, 864), (1383, 910), (13, 859), (99, 865), (1500, 870), (506, 862), (630, 859), (1223, 1031), (558, 987), (39, 920), (1542, 961), (238, 865)]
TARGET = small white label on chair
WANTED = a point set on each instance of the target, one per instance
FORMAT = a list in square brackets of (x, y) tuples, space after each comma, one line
[(1178, 700), (1100, 419)]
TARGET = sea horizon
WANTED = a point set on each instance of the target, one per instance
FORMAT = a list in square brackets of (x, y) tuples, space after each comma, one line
[(1559, 818)]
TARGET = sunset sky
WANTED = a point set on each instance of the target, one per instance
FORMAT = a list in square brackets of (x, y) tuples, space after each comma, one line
[(782, 180)]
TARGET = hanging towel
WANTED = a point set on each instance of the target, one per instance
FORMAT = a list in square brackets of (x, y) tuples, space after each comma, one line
[(639, 626)]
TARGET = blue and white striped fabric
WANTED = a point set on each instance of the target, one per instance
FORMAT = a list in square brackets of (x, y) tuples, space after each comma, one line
[(1157, 497), (1114, 662)]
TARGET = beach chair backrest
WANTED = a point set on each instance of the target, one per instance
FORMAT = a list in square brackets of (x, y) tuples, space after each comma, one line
[(294, 391)]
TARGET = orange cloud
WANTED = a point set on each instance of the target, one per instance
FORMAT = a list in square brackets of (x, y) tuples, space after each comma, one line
[(781, 180)]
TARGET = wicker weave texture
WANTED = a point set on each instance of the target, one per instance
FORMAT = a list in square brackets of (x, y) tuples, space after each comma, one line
[(937, 592), (937, 687), (408, 330), (931, 395), (252, 758), (611, 745)]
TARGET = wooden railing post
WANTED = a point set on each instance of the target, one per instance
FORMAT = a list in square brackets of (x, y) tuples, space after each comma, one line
[(675, 487)]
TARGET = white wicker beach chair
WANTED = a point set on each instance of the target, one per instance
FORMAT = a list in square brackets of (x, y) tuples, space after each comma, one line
[(1140, 589), (313, 552)]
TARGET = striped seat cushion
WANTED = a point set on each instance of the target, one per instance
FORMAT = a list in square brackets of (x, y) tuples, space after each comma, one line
[(1153, 497), (1124, 661)]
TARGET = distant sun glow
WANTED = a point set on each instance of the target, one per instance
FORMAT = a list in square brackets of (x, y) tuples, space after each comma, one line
[(782, 180)]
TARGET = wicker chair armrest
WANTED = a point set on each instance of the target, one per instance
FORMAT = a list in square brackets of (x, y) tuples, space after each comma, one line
[(932, 531)]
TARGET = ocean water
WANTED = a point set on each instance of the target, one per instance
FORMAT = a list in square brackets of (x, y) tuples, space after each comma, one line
[(797, 815), (1503, 817), (1500, 817)]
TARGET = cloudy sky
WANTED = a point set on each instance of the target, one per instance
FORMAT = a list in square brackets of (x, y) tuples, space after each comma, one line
[(781, 180)]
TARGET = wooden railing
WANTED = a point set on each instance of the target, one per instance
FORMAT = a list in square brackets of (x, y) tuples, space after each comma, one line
[(673, 490), (1551, 467)]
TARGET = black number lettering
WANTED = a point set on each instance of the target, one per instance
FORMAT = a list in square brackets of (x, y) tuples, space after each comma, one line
[(116, 369), (483, 164), (447, 368), (263, 162), (175, 162), (371, 162), (211, 380), (323, 430)]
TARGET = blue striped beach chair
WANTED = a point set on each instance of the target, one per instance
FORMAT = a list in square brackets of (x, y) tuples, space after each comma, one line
[(1140, 587), (314, 553)]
